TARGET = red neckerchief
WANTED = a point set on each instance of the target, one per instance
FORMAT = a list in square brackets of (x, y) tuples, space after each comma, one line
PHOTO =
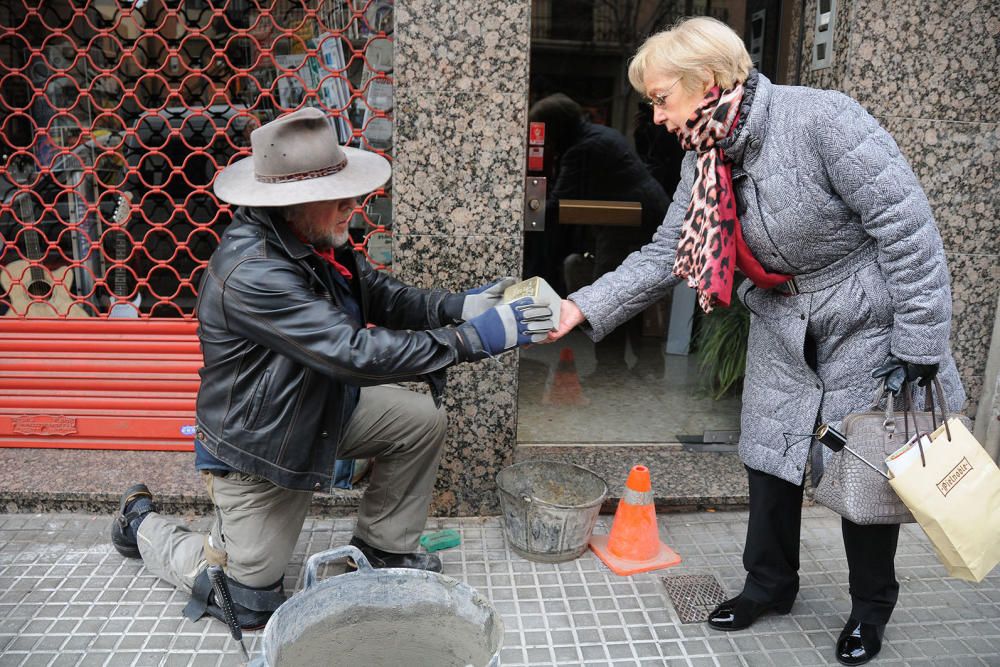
[(329, 256)]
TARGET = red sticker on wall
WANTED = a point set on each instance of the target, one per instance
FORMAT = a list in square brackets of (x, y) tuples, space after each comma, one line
[(536, 134)]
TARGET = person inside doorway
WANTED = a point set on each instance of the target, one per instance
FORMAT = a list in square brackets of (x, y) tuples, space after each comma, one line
[(810, 197), (302, 341), (593, 162)]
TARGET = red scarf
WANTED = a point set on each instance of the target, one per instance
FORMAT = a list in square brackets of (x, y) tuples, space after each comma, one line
[(328, 255), (711, 245)]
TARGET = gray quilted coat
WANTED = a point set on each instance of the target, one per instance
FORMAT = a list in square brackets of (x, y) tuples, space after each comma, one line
[(823, 194)]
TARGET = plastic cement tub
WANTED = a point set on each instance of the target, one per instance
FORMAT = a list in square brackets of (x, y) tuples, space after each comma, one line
[(382, 618)]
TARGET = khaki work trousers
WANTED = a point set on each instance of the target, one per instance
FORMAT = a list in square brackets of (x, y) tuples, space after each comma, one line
[(257, 523)]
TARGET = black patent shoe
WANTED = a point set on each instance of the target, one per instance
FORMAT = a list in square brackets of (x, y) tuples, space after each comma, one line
[(740, 612), (859, 642), (135, 503), (381, 559)]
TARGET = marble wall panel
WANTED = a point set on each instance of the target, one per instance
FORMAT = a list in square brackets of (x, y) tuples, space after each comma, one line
[(459, 165), (793, 66), (974, 390), (941, 61), (957, 165), (463, 46), (975, 281), (455, 262), (482, 424), (461, 73)]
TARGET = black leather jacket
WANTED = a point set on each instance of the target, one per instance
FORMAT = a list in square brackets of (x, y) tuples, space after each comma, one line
[(279, 349)]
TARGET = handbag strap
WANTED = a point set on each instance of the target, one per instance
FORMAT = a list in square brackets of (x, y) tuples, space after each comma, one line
[(889, 424), (929, 402), (916, 426), (907, 410), (929, 405)]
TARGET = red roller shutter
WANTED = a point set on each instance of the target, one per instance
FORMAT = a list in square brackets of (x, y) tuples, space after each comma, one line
[(98, 384)]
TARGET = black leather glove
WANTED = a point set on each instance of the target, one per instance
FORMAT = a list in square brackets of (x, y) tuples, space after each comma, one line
[(897, 372)]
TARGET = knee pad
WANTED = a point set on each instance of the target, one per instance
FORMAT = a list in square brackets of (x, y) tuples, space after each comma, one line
[(253, 606)]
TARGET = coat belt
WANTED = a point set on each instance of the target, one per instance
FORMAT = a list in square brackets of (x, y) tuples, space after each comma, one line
[(839, 271)]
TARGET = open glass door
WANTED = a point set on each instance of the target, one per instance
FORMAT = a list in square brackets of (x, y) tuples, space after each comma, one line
[(610, 174)]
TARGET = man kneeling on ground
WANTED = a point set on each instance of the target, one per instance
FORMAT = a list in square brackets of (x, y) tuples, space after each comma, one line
[(301, 339)]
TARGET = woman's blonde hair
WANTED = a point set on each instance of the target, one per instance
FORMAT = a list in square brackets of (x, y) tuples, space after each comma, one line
[(693, 49)]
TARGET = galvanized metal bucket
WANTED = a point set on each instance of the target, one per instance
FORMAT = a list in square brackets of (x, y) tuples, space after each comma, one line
[(549, 508), (382, 617)]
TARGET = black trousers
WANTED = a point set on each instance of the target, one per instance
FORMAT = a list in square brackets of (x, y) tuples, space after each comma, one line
[(771, 554)]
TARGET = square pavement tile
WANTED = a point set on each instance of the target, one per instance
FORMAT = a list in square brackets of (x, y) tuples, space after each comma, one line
[(67, 598)]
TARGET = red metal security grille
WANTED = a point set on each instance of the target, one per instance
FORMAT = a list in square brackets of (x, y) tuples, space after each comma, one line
[(115, 117), (118, 115)]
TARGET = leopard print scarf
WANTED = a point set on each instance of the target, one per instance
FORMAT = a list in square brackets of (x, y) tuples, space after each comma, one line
[(706, 253)]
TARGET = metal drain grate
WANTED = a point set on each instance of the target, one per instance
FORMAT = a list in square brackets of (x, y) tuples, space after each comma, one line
[(694, 596)]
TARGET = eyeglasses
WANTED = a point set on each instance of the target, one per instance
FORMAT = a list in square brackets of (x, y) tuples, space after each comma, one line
[(660, 101)]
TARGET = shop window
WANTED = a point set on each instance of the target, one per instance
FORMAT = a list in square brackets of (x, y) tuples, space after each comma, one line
[(116, 116)]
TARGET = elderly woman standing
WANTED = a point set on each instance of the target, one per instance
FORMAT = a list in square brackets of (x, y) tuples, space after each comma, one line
[(807, 195)]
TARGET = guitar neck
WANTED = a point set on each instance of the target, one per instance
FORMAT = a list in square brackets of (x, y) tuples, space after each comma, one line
[(120, 217), (32, 246), (121, 248)]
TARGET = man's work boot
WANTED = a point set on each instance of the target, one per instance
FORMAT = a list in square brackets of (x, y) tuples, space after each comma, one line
[(135, 504), (380, 559)]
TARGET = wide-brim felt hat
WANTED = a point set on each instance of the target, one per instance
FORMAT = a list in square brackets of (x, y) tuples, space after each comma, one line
[(296, 159)]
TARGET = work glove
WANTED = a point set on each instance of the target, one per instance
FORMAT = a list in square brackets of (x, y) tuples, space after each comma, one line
[(897, 372), (510, 325), (477, 301)]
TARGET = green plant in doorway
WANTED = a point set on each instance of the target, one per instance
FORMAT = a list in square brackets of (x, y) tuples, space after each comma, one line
[(722, 348)]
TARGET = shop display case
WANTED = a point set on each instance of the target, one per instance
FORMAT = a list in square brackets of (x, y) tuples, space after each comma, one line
[(118, 116)]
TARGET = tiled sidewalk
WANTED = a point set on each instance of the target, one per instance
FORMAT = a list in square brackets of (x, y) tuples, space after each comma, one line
[(67, 598)]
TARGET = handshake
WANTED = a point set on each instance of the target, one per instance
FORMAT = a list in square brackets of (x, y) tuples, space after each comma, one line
[(506, 315)]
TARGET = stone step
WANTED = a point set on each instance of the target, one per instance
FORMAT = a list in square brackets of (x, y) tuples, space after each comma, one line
[(75, 480), (68, 480), (682, 479)]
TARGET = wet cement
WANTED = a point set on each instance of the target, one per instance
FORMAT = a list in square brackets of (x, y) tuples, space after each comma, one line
[(552, 482), (415, 638)]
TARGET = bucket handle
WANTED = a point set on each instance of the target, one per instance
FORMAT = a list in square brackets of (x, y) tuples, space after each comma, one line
[(337, 553)]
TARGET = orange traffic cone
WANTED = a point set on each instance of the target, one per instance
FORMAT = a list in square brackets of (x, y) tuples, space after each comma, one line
[(634, 543), (563, 386)]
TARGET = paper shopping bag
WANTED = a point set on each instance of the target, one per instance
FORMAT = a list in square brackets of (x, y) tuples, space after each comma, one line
[(954, 494)]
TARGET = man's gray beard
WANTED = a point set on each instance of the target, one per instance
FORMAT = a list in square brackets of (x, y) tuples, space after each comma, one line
[(329, 241), (340, 240), (322, 240)]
